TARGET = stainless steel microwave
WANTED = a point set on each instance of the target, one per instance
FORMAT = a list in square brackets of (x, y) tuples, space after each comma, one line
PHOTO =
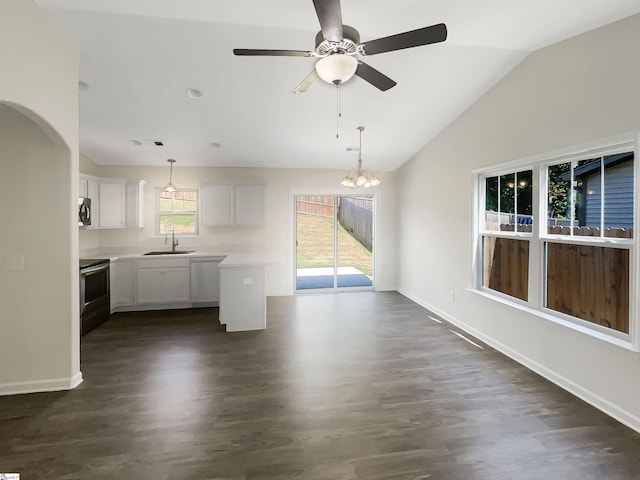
[(84, 212)]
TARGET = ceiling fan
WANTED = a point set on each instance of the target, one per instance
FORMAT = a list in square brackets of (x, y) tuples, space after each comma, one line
[(338, 44)]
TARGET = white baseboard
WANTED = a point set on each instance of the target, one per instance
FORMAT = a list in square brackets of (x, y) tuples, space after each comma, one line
[(602, 404), (36, 386)]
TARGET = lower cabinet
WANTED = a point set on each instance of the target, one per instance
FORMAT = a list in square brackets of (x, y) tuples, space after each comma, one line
[(121, 283), (205, 280), (165, 282), (161, 282)]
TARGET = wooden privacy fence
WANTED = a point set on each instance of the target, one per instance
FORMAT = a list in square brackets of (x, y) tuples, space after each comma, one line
[(506, 266), (589, 282), (356, 216), (584, 281), (319, 206), (577, 231)]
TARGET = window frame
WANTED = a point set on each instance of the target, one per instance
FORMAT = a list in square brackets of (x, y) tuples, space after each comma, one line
[(159, 212), (539, 237)]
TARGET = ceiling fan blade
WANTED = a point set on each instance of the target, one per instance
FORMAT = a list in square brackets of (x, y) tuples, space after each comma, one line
[(305, 84), (374, 77), (414, 38), (330, 17), (272, 53)]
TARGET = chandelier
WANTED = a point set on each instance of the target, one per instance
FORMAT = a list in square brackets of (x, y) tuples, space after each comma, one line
[(360, 177)]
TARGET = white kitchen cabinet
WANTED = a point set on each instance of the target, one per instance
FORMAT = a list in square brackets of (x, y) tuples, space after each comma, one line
[(242, 297), (115, 203), (134, 203), (163, 281), (121, 273), (82, 187), (93, 192), (112, 203), (249, 205), (216, 205), (232, 205), (205, 280)]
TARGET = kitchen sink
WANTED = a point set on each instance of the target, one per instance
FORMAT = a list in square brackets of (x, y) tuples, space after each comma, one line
[(177, 252)]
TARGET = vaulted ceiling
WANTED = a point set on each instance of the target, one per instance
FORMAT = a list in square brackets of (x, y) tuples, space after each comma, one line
[(138, 58)]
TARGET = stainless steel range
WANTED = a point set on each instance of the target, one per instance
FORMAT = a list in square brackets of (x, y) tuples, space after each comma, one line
[(94, 294)]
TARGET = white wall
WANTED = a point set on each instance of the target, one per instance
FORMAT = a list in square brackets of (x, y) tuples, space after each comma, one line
[(276, 236), (580, 90), (39, 329)]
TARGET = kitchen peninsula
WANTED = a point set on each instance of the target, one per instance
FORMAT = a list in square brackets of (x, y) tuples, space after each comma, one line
[(234, 282)]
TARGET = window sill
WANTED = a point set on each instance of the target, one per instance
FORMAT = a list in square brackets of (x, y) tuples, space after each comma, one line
[(619, 342)]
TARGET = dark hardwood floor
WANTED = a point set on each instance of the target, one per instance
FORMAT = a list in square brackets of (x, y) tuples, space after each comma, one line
[(339, 387)]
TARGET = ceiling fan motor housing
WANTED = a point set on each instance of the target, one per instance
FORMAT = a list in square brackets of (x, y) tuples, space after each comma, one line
[(348, 45)]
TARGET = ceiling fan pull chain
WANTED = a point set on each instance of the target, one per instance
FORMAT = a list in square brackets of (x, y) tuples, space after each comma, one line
[(338, 109)]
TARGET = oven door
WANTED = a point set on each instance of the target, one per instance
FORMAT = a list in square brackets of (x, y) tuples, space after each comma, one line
[(94, 297)]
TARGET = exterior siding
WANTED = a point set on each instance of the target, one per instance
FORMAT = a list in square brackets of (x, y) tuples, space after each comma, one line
[(618, 207)]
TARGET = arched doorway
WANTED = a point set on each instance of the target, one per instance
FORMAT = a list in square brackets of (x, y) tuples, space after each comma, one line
[(38, 285)]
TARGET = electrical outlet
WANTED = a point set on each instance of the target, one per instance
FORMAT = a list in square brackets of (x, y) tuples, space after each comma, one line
[(247, 281)]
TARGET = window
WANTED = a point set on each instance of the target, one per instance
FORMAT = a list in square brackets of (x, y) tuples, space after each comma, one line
[(507, 216), (177, 212), (557, 235), (592, 198)]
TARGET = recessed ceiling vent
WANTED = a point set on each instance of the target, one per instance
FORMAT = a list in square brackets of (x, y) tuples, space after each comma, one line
[(158, 143), (353, 149)]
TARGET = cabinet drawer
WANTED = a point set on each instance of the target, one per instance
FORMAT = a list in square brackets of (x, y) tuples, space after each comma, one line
[(163, 262)]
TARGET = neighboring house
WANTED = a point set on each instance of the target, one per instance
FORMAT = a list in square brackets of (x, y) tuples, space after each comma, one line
[(618, 187)]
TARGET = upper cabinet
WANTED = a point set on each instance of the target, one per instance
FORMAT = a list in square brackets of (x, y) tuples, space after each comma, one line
[(115, 203), (111, 206), (134, 203), (232, 205)]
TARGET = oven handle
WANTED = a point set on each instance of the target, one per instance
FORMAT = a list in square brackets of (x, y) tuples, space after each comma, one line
[(94, 269)]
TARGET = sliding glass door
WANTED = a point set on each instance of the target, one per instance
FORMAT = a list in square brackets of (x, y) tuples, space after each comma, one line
[(334, 242)]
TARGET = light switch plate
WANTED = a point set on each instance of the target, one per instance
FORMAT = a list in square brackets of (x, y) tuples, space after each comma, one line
[(247, 281), (15, 262)]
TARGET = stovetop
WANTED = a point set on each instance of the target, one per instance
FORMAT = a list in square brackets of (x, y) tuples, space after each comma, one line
[(91, 262)]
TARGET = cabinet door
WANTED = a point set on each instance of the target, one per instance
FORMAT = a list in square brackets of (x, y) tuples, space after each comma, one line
[(121, 283), (82, 187), (163, 285), (205, 281), (150, 286), (176, 285), (216, 205), (134, 201), (249, 203), (93, 192), (112, 211)]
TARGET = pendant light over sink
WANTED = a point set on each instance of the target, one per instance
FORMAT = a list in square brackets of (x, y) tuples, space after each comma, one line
[(360, 177), (170, 186)]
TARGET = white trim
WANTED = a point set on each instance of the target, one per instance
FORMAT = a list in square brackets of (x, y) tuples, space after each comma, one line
[(539, 237), (37, 386), (602, 404), (293, 232), (608, 335), (195, 213)]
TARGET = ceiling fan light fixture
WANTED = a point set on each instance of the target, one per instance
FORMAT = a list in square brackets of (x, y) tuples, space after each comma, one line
[(336, 68)]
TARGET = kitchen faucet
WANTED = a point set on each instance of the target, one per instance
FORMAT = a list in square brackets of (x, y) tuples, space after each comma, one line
[(174, 242)]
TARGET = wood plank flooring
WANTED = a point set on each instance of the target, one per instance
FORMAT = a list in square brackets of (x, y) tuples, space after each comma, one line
[(339, 387)]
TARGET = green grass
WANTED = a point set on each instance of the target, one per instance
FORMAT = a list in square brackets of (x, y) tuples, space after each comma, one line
[(315, 245), (182, 223)]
